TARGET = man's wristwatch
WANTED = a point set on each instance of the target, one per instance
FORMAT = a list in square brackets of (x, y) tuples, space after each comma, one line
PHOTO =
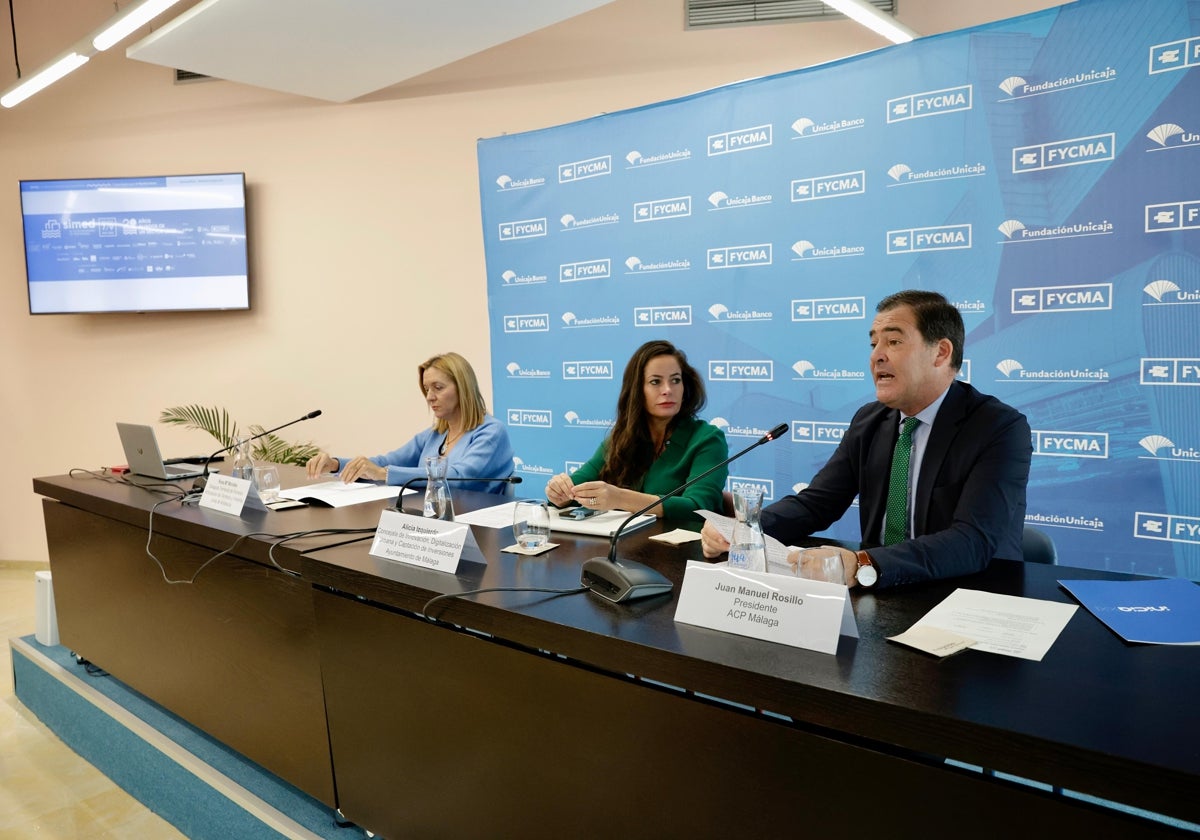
[(867, 573)]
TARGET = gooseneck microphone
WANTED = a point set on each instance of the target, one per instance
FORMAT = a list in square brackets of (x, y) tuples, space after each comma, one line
[(399, 506), (200, 482), (625, 580)]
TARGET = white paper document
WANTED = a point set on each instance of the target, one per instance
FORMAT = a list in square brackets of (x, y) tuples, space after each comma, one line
[(338, 493), (496, 516), (1021, 627), (777, 552)]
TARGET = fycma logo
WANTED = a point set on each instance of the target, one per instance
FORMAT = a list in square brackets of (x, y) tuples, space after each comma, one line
[(739, 256), (662, 316), (1059, 153), (903, 175), (1177, 215), (1016, 232), (830, 309), (731, 430), (830, 186), (574, 421), (512, 278), (1018, 88), (1084, 298), (1013, 371), (535, 418), (581, 169), (527, 323), (637, 160), (722, 201), (595, 369), (806, 129), (1166, 527), (739, 140), (516, 371), (634, 265), (1170, 372), (1166, 293), (747, 484), (662, 208), (817, 431), (1162, 448), (1070, 444), (930, 103), (943, 238), (741, 370), (530, 469), (1171, 136), (523, 229), (805, 250), (507, 184), (806, 371), (586, 270), (571, 321), (722, 314), (570, 223), (1174, 55)]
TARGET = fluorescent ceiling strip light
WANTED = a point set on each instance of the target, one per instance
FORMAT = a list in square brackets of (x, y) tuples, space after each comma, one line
[(134, 17), (863, 12), (43, 78)]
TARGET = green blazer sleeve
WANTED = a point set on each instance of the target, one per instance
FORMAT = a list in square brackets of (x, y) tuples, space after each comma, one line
[(695, 446)]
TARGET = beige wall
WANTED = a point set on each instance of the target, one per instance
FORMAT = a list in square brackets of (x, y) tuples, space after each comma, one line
[(364, 225)]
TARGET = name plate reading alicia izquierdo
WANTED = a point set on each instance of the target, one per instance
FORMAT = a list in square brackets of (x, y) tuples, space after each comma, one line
[(794, 611)]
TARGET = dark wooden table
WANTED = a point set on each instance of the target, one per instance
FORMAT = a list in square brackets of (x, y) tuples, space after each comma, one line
[(527, 714)]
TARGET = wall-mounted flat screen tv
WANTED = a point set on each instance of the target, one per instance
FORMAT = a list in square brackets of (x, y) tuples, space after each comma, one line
[(166, 243)]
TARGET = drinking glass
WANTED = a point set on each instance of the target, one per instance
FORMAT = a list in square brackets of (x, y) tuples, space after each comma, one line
[(266, 482), (531, 523)]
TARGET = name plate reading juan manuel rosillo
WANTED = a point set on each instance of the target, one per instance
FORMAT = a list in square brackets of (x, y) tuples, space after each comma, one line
[(793, 611), (428, 543)]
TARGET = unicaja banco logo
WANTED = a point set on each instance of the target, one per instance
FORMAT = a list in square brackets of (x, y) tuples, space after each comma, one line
[(720, 313), (722, 201), (512, 278), (805, 250), (505, 183), (1162, 448), (1167, 293), (805, 128), (516, 371), (807, 371), (530, 469)]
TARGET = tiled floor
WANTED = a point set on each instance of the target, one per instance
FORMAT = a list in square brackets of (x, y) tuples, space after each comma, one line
[(46, 790)]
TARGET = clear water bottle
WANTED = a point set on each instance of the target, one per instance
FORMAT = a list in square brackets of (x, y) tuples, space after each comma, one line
[(438, 504), (748, 548), (243, 464)]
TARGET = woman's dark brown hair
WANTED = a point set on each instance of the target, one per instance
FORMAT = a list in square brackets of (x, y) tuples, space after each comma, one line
[(630, 446)]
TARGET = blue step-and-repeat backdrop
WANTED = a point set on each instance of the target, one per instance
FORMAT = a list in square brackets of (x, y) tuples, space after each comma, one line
[(1043, 173)]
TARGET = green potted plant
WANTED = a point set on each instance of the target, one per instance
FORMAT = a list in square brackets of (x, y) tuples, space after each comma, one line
[(218, 423)]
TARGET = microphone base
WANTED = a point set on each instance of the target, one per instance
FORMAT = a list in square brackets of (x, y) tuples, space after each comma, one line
[(622, 580)]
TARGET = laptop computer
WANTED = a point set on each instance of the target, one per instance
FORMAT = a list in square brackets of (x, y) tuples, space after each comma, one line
[(144, 458)]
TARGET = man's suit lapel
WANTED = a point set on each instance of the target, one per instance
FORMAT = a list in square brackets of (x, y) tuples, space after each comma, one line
[(937, 448), (873, 498)]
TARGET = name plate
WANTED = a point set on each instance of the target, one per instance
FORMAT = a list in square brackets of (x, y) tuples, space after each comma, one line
[(793, 611), (427, 543), (226, 494)]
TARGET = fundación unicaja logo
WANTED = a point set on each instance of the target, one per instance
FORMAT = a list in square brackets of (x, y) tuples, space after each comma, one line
[(1159, 288), (1009, 227), (897, 172), (1011, 84), (1153, 443), (1008, 366)]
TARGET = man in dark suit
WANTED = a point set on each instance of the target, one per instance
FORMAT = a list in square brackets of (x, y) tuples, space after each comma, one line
[(958, 489)]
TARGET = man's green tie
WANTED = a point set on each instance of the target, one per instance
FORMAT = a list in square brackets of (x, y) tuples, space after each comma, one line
[(896, 524)]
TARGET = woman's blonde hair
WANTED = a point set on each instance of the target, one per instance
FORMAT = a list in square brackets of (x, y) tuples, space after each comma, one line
[(470, 402)]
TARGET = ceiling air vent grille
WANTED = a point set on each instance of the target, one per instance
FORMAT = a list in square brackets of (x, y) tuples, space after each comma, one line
[(706, 13), (184, 76)]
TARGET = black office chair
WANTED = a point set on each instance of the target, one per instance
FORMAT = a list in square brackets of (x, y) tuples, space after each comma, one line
[(1037, 547)]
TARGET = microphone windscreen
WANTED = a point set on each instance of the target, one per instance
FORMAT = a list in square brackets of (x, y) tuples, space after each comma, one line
[(516, 479), (313, 414)]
